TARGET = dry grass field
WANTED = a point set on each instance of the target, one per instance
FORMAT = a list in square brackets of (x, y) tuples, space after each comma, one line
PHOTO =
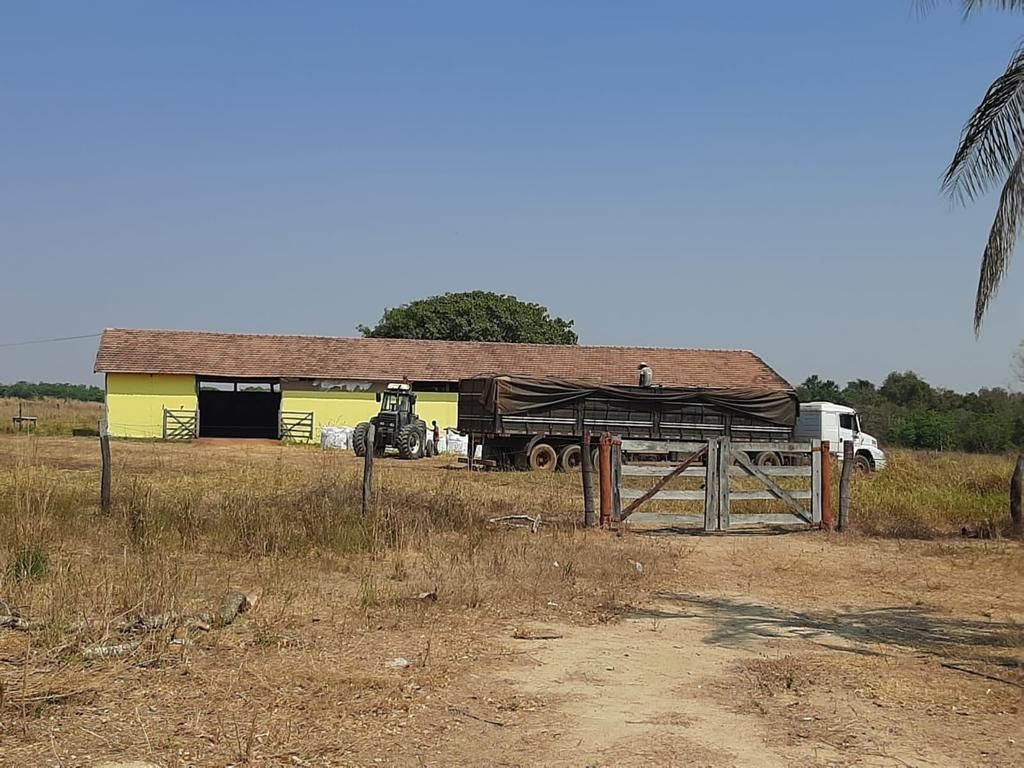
[(55, 417), (898, 644)]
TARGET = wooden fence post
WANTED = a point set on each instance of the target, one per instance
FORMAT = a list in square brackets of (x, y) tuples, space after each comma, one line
[(470, 451), (587, 466), (368, 470), (604, 464), (1015, 492), (105, 470), (844, 486), (827, 518), (711, 487), (616, 479)]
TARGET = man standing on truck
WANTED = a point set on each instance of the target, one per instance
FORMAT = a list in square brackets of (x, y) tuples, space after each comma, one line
[(646, 375)]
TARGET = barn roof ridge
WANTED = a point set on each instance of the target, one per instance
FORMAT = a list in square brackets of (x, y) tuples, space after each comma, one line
[(255, 355)]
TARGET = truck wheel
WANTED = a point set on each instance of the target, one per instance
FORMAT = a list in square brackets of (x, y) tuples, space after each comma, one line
[(543, 457), (570, 459), (862, 464), (410, 442), (359, 438), (768, 459), (430, 449)]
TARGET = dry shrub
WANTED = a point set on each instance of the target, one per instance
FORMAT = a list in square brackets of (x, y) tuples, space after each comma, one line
[(925, 495)]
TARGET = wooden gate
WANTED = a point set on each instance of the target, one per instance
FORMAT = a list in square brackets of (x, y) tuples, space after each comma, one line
[(180, 424), (297, 426), (723, 464)]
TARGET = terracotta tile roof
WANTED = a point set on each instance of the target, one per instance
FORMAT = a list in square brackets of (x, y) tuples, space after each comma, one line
[(204, 353)]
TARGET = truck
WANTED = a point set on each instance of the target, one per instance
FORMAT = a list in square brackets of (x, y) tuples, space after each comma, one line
[(538, 423), (838, 423)]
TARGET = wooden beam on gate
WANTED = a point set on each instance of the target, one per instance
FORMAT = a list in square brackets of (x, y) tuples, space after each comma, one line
[(617, 481), (711, 487), (663, 482), (725, 452), (816, 482), (774, 488)]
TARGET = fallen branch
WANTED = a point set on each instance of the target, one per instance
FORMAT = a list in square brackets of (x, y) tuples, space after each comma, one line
[(15, 622), (536, 634), (969, 671), (464, 713), (109, 651), (231, 605), (142, 624), (514, 520)]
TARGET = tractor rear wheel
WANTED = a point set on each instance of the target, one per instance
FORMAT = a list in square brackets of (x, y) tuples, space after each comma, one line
[(410, 442), (359, 438), (543, 457)]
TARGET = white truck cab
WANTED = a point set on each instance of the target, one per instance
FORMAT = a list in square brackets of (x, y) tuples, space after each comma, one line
[(837, 423)]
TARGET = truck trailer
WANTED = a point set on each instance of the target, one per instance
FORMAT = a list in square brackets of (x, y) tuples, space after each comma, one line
[(539, 423)]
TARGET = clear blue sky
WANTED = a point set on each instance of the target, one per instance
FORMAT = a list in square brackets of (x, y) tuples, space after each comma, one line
[(743, 174)]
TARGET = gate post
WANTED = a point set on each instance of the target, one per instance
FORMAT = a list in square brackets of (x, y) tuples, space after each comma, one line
[(711, 488), (586, 464), (604, 464), (827, 519)]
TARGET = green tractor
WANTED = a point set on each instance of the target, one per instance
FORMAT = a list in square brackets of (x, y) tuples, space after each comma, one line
[(395, 426)]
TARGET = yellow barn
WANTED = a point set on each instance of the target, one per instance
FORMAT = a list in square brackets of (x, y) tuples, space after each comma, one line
[(184, 384)]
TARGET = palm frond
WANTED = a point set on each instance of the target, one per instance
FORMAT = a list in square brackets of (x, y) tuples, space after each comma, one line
[(1001, 240), (993, 137), (970, 6)]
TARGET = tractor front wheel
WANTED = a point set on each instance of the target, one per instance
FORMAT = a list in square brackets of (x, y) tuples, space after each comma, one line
[(410, 443), (359, 438)]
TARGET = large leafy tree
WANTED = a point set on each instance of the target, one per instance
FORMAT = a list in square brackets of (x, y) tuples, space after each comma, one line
[(473, 316), (815, 389), (991, 151)]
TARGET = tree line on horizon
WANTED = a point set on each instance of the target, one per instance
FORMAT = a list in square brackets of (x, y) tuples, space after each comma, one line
[(907, 411), (37, 390)]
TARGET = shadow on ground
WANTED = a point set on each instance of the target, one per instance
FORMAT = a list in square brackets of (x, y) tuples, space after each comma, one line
[(739, 623)]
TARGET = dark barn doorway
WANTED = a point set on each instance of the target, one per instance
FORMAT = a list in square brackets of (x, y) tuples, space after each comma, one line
[(239, 408)]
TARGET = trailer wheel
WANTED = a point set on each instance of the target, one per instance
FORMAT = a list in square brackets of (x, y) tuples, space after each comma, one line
[(862, 464), (768, 459), (543, 457), (570, 459)]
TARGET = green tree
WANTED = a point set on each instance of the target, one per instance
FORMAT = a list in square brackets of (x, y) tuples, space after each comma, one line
[(907, 389), (814, 389), (473, 316), (991, 152)]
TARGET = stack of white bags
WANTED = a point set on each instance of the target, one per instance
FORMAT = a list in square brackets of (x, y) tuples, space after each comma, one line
[(336, 437), (341, 437)]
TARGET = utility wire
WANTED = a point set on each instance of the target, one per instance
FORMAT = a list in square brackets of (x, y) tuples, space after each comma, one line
[(48, 341)]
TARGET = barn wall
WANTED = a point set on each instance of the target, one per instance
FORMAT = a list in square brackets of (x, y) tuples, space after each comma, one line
[(346, 409), (135, 401)]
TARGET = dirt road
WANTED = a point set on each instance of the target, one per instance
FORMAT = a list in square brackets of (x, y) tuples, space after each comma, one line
[(725, 678)]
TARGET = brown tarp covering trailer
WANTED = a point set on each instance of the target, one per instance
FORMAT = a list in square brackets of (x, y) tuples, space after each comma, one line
[(513, 395)]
